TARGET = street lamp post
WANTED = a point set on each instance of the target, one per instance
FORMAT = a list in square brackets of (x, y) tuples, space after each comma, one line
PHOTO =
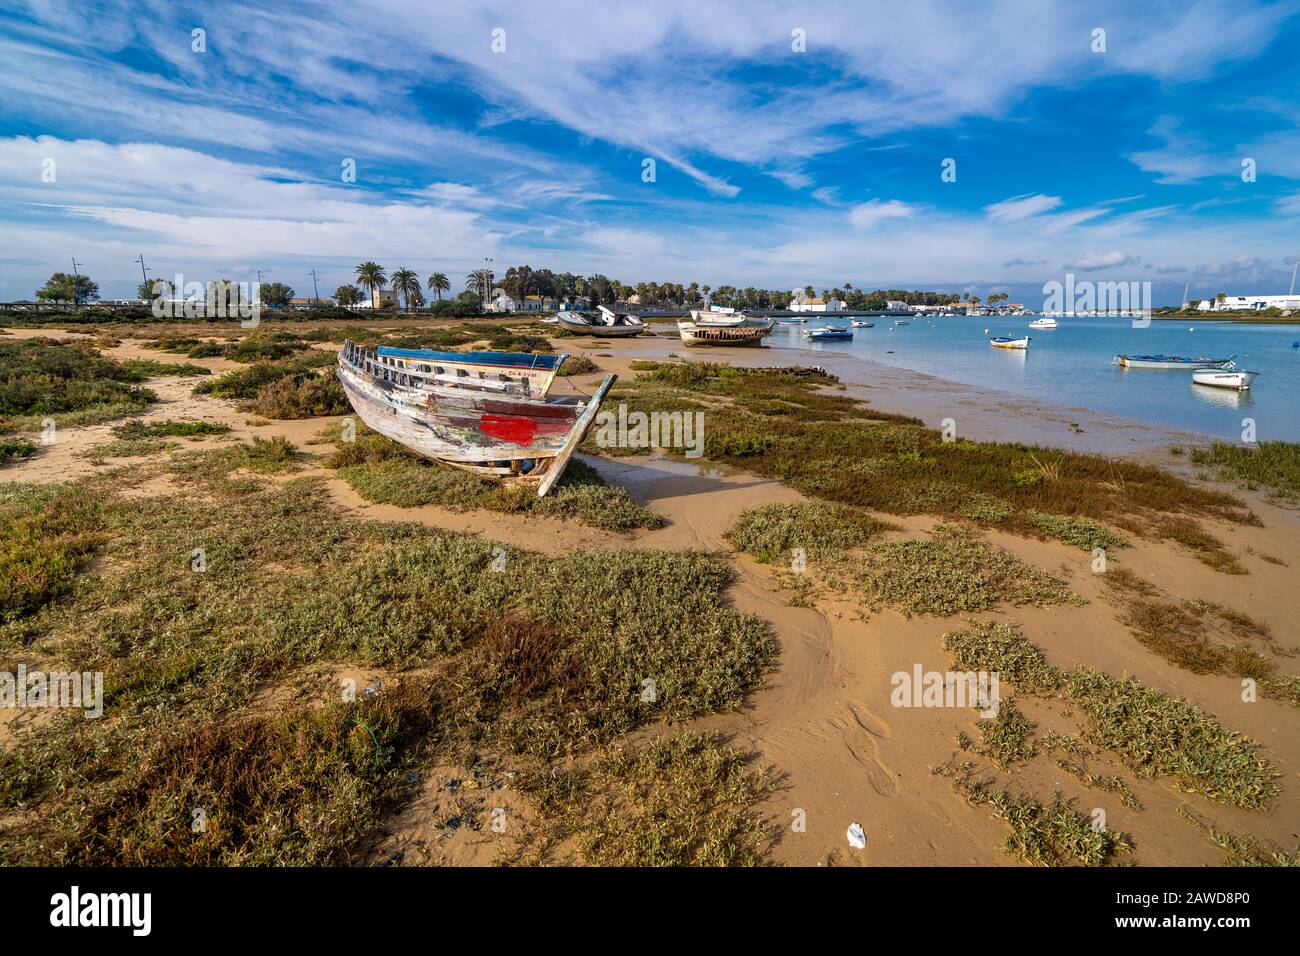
[(484, 282), (76, 283)]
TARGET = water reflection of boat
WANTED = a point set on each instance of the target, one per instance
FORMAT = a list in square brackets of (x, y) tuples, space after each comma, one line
[(1233, 398)]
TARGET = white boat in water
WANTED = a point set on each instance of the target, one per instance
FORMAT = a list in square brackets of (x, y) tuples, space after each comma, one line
[(1170, 361), (1224, 377), (1044, 322), (859, 324), (1006, 342)]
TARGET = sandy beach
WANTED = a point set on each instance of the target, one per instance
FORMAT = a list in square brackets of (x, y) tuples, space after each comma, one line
[(823, 722)]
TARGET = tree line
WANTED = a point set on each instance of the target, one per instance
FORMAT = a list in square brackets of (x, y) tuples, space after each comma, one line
[(518, 282)]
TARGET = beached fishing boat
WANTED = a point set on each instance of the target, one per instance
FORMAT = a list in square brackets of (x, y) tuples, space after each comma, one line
[(1169, 361), (606, 323), (1224, 377), (1006, 342), (828, 334), (747, 332), (859, 324), (719, 315), (486, 412), (1044, 322)]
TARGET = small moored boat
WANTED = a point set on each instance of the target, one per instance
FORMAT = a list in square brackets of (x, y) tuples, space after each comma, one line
[(859, 324), (485, 412), (901, 322), (1224, 377), (828, 334), (1006, 342), (1169, 361), (1044, 322)]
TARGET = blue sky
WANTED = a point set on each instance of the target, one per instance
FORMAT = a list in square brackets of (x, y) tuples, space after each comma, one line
[(774, 167)]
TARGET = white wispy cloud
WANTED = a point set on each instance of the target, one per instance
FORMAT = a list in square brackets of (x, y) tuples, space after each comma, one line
[(1021, 207)]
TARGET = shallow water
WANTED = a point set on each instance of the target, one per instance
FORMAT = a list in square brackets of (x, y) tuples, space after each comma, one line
[(1073, 365)]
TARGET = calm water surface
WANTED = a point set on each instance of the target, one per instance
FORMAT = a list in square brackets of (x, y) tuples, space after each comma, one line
[(1072, 366)]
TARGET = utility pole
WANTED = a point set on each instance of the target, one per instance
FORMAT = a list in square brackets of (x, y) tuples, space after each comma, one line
[(484, 282), (76, 283), (1186, 286), (144, 273), (1295, 265), (315, 289)]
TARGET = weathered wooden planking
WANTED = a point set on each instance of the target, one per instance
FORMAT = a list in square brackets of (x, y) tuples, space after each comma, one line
[(468, 425)]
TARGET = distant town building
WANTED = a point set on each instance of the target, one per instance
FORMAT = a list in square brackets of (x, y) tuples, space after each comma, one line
[(806, 304), (1249, 303), (537, 303)]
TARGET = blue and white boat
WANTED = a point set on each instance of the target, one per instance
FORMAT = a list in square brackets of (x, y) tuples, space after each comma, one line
[(828, 334)]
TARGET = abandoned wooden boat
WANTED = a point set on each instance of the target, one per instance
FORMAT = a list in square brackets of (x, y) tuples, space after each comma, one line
[(1227, 377), (747, 332), (486, 412), (605, 323), (718, 315), (1006, 342), (1169, 361)]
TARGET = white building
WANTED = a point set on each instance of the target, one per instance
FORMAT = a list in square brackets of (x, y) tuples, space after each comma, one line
[(1250, 303), (806, 304), (536, 303)]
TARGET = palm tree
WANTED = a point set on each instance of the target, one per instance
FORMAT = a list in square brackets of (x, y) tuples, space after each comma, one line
[(439, 284), (406, 284), (372, 276)]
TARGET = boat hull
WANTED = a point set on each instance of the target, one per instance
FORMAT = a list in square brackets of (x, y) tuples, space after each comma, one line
[(602, 331), (1221, 378), (1021, 343), (829, 335), (503, 435), (694, 333), (1169, 362)]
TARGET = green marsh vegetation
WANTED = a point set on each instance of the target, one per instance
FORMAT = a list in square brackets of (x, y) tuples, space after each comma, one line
[(1153, 734), (785, 425), (1051, 835), (613, 811), (527, 658), (299, 387), (949, 572), (1271, 465), (137, 438), (68, 381), (382, 471)]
